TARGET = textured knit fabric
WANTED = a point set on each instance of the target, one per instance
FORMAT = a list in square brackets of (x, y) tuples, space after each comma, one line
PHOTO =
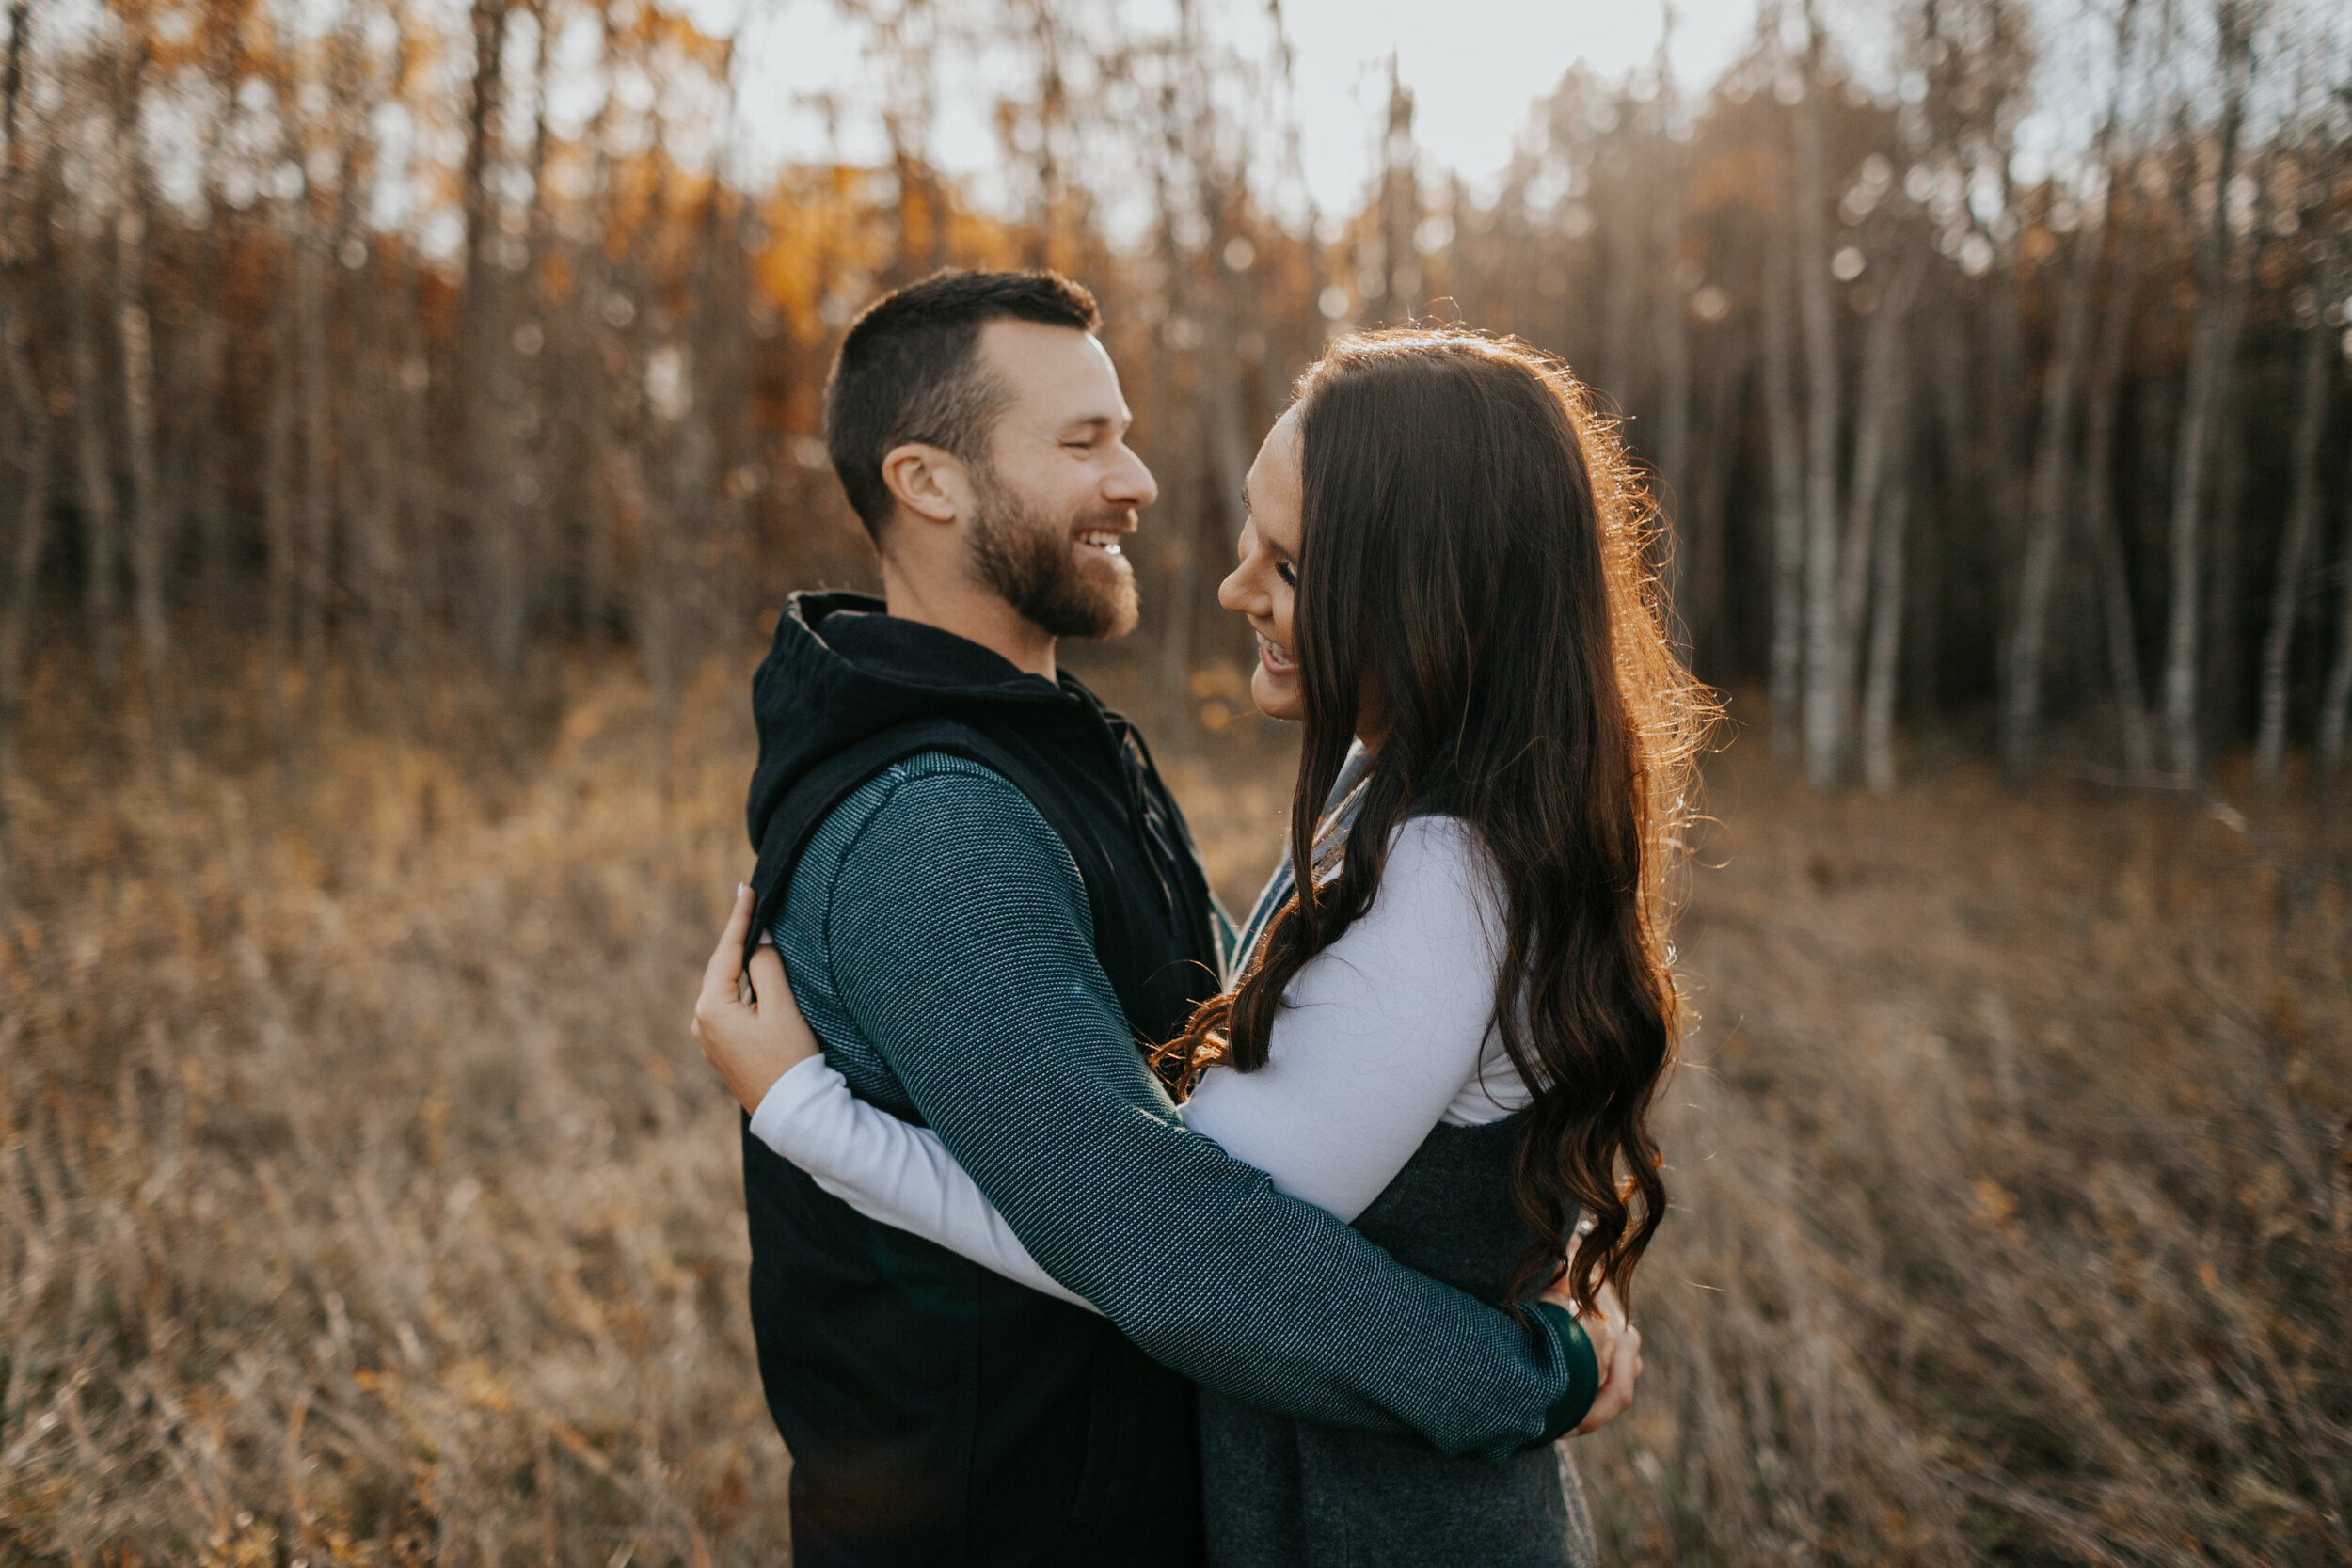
[(1288, 1494), (938, 941)]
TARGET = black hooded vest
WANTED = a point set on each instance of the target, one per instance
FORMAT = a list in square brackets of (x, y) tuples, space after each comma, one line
[(965, 1420)]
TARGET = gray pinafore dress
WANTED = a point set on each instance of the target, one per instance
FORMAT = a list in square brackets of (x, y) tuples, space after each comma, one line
[(1282, 1492)]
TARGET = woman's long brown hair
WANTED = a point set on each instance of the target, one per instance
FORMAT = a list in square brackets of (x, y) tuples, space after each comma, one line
[(1476, 555)]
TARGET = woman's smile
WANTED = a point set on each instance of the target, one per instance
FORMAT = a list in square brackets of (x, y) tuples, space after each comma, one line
[(1262, 588)]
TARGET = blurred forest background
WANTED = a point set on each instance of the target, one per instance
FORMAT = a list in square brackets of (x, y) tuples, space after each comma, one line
[(409, 425)]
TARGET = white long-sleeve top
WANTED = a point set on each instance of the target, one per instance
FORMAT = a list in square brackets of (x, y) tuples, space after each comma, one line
[(1382, 1036)]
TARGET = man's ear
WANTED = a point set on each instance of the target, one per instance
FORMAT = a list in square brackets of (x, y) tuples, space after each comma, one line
[(930, 481)]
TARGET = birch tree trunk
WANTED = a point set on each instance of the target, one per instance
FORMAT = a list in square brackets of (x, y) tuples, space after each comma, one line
[(1788, 467), (2045, 521), (1824, 717), (148, 546), (93, 460), (1886, 607), (2286, 589), (136, 354), (1879, 448), (481, 369), (2210, 353), (2004, 356)]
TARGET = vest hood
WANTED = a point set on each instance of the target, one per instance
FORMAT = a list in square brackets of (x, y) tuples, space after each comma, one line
[(841, 669)]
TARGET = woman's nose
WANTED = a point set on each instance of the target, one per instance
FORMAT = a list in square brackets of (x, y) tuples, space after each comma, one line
[(1233, 594)]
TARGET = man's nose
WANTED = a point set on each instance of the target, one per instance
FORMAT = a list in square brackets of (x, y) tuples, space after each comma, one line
[(1129, 483)]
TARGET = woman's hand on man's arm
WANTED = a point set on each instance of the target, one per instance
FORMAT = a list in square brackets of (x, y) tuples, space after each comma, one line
[(748, 1025)]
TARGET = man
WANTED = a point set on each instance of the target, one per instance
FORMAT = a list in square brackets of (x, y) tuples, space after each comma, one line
[(972, 871)]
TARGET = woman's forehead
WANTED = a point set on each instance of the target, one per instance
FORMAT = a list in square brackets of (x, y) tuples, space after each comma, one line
[(1277, 462)]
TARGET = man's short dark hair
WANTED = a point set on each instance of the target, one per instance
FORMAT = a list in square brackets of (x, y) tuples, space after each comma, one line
[(910, 371)]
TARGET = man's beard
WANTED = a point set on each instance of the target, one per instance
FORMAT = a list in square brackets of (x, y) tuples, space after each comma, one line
[(1033, 564)]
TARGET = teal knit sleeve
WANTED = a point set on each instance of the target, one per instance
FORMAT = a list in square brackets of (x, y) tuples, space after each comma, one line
[(1571, 1407)]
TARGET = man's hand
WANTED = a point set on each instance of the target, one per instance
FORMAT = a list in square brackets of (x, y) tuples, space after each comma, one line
[(1616, 1345), (749, 1027)]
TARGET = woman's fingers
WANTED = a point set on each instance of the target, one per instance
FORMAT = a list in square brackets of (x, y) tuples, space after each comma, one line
[(1602, 1334), (745, 1019), (726, 959), (723, 976), (768, 978), (1616, 1389), (1627, 1365)]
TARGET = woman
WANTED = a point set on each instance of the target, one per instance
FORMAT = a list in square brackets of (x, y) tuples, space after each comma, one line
[(1453, 1005)]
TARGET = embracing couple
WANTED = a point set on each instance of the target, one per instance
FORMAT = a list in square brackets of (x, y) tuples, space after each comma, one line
[(1087, 1229)]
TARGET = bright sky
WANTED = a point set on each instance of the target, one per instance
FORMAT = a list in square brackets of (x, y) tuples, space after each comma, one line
[(1474, 67)]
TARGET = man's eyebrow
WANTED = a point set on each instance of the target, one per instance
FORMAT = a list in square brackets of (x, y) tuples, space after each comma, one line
[(1245, 497)]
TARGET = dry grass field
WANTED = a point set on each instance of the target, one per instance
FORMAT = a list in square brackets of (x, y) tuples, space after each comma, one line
[(362, 1200)]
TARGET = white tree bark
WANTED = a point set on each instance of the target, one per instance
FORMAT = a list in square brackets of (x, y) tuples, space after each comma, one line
[(1788, 467), (2211, 351), (1882, 403), (482, 372), (2211, 347), (135, 354), (93, 456), (1887, 609), (1824, 409), (148, 515), (2046, 522)]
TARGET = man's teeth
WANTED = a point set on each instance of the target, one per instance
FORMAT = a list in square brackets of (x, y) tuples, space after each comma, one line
[(1107, 543)]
